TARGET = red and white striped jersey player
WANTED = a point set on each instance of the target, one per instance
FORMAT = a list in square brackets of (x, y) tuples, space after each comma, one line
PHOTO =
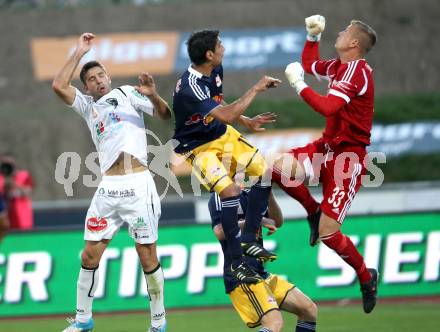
[(337, 158)]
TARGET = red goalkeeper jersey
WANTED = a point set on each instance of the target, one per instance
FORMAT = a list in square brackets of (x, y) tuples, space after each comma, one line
[(349, 103)]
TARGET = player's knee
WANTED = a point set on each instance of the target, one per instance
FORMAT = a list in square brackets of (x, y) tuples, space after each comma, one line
[(311, 312), (277, 325), (147, 256), (89, 259), (230, 191), (273, 321), (328, 225)]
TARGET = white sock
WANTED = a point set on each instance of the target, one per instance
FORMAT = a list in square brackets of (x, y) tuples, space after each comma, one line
[(86, 287), (155, 282)]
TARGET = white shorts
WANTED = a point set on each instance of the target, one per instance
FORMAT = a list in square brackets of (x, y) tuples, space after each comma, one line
[(130, 198)]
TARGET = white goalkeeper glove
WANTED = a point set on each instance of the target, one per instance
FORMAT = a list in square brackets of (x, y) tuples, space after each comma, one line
[(295, 75), (315, 25)]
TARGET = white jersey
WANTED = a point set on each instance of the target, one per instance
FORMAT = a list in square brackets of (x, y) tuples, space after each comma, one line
[(116, 123)]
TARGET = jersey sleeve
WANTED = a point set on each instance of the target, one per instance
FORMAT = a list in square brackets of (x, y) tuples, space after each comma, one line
[(350, 82), (320, 68), (201, 100), (82, 103), (140, 102)]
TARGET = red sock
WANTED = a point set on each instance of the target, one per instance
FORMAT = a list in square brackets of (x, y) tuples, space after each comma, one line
[(299, 193), (348, 252)]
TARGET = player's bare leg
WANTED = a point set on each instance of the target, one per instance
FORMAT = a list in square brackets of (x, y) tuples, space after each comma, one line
[(285, 170), (303, 307), (271, 322), (155, 281), (331, 236), (87, 285)]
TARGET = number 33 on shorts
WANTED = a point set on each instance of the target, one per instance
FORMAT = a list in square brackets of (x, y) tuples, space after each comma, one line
[(336, 198)]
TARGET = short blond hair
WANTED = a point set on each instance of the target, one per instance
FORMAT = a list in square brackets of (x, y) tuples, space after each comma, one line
[(367, 36)]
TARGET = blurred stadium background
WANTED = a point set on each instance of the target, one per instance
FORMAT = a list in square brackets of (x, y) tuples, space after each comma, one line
[(396, 225)]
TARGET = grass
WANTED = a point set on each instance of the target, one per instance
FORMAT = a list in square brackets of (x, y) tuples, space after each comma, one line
[(386, 318)]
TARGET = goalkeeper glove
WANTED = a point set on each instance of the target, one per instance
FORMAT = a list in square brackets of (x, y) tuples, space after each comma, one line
[(295, 75), (315, 26)]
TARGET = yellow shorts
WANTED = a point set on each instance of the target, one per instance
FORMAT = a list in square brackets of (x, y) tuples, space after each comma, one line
[(253, 301), (216, 163)]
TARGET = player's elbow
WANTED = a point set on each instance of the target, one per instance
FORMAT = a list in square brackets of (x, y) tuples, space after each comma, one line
[(227, 114), (58, 86), (328, 112), (165, 115), (326, 107), (307, 66)]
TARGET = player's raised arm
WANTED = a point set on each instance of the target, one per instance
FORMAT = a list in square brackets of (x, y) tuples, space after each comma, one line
[(230, 113), (255, 123), (62, 81), (315, 25), (147, 87)]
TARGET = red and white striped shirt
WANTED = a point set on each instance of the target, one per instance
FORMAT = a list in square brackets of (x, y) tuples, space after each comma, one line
[(349, 103)]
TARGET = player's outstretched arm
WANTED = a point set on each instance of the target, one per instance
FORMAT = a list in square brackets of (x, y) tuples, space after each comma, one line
[(255, 124), (325, 105), (147, 87), (62, 81), (230, 113)]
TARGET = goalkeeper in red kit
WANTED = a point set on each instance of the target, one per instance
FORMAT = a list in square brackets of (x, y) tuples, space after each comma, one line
[(337, 158)]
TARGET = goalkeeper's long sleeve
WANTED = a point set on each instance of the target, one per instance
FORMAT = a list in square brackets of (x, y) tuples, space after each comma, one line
[(325, 105), (309, 55)]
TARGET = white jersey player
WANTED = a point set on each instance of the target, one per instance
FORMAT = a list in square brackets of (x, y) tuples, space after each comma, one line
[(127, 193)]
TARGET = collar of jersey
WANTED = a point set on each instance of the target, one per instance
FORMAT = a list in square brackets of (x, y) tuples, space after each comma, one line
[(361, 59), (195, 72), (101, 97)]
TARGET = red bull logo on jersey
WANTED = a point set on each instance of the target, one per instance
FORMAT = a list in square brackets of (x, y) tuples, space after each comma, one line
[(196, 118), (96, 224), (218, 99)]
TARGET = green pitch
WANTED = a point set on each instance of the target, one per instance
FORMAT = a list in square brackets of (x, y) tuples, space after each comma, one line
[(385, 318)]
